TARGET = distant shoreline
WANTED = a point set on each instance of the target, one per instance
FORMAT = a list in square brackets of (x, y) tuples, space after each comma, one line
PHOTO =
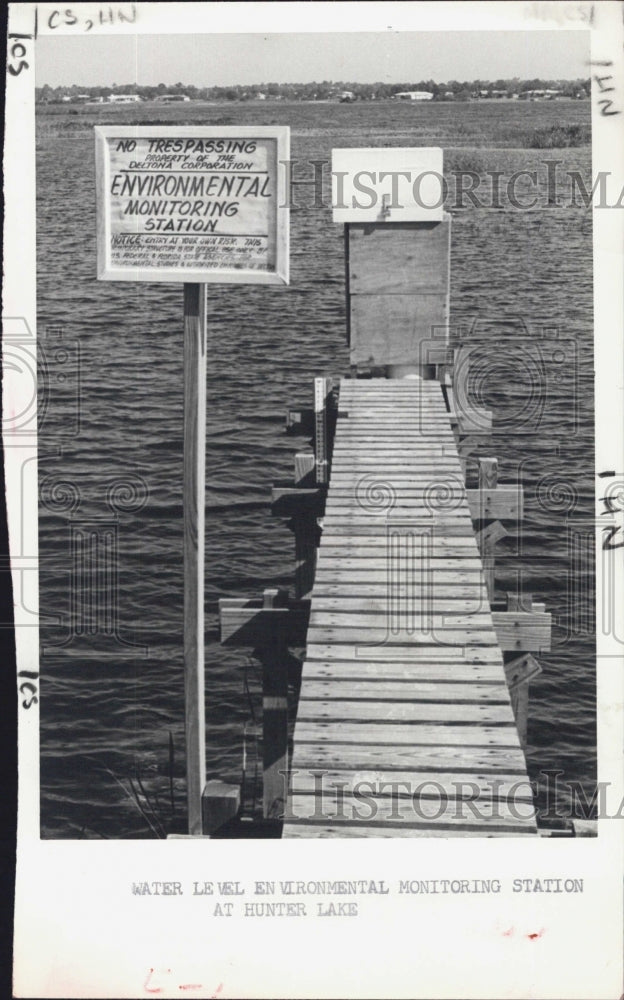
[(302, 100)]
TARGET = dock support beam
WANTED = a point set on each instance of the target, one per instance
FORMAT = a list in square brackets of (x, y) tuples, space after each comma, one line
[(195, 332)]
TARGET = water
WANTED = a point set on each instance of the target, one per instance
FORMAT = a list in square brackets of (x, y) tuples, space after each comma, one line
[(110, 710)]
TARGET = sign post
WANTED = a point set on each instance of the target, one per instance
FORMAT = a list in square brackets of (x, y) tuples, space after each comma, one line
[(194, 494), (193, 205)]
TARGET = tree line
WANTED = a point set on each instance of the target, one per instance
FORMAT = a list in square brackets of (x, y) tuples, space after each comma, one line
[(325, 90)]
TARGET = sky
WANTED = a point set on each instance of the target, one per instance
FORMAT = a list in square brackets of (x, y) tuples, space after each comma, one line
[(389, 57)]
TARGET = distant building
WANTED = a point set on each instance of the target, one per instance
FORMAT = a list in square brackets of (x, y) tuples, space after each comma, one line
[(124, 98), (540, 95), (346, 97), (414, 95), (170, 98)]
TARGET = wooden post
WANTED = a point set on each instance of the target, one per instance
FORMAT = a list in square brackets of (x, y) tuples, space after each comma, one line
[(488, 479), (321, 389), (466, 444), (519, 672), (304, 467), (488, 473), (307, 537), (486, 540), (274, 662), (194, 503), (305, 530), (221, 802), (520, 707), (519, 602), (274, 729)]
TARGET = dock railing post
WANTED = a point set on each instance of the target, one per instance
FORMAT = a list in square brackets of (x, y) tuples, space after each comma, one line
[(520, 671), (274, 660), (493, 532), (305, 530), (488, 478), (312, 467), (195, 303)]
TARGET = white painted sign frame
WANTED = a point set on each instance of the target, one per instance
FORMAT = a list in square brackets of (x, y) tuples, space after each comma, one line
[(277, 275)]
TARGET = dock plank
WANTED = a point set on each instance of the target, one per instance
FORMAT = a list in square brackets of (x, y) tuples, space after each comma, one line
[(437, 815), (444, 573), (488, 762), (454, 785), (368, 712), (336, 526), (373, 542), (392, 734), (357, 597), (417, 673), (436, 557), (345, 687), (307, 830), (429, 590), (404, 652), (440, 621), (388, 636)]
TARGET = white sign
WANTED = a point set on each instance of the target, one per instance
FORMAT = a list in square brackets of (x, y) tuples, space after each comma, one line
[(387, 185), (192, 204)]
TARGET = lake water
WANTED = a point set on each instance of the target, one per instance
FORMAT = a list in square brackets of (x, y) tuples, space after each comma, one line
[(112, 706)]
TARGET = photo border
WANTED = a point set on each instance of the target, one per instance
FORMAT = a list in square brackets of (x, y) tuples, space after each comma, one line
[(79, 932)]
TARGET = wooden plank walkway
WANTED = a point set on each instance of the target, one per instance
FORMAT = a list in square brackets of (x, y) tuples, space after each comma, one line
[(404, 725)]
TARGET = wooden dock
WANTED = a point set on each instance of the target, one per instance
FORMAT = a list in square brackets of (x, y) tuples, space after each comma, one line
[(405, 724)]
